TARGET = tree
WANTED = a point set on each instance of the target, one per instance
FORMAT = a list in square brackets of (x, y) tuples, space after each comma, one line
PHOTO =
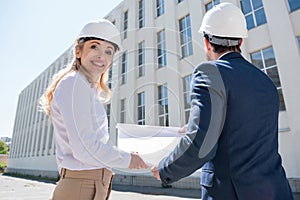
[(3, 148)]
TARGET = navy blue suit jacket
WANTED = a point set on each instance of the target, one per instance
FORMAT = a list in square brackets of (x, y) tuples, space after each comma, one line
[(232, 134)]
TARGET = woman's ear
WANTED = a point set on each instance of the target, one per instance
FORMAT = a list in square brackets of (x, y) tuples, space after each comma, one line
[(77, 52)]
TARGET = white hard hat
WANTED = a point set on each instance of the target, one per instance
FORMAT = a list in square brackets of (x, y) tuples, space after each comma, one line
[(102, 29), (224, 20)]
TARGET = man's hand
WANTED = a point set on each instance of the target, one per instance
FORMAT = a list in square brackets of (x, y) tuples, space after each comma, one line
[(183, 130)]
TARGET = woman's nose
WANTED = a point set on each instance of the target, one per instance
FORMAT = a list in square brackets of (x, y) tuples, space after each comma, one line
[(100, 53)]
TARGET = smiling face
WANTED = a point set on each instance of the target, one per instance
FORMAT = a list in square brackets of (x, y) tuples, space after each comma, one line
[(96, 57)]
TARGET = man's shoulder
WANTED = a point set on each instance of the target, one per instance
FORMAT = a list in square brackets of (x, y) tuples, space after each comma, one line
[(206, 65)]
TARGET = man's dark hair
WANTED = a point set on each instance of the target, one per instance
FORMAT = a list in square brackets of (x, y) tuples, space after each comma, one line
[(220, 48)]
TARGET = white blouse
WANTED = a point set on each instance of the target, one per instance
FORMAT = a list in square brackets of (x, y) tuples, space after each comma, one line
[(81, 128)]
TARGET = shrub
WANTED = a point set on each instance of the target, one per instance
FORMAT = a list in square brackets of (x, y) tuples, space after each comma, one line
[(3, 148), (2, 167)]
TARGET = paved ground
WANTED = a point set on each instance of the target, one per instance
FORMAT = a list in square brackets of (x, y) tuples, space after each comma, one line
[(12, 188)]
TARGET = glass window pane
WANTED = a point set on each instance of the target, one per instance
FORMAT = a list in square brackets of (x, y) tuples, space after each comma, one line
[(140, 113), (161, 121), (187, 115), (257, 4), (250, 21), (188, 21), (189, 34), (273, 74), (160, 109), (260, 17), (183, 37), (256, 60), (294, 5), (281, 99), (208, 6), (246, 6), (269, 57), (298, 38), (190, 48)]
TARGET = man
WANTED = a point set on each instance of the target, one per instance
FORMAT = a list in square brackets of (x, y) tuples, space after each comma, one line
[(232, 131)]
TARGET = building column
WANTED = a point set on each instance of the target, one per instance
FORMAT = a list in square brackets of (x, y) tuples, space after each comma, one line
[(286, 52)]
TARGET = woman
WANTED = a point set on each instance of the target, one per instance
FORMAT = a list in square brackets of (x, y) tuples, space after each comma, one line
[(73, 101)]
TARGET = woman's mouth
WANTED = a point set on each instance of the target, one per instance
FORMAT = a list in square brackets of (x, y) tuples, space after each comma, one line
[(98, 64)]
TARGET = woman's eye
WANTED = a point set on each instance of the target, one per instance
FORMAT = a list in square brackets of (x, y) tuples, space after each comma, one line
[(108, 52), (94, 47)]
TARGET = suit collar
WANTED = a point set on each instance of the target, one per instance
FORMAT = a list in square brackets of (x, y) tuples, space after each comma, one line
[(229, 55)]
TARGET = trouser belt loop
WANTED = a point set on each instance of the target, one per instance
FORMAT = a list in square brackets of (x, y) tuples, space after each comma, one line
[(63, 173)]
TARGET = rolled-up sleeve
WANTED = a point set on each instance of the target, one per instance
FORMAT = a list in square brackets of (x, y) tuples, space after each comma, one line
[(74, 100), (207, 114)]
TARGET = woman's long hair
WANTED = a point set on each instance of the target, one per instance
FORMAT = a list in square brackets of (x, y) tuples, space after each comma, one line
[(75, 65)]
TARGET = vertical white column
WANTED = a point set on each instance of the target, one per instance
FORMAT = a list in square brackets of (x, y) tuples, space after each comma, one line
[(12, 153), (286, 52)]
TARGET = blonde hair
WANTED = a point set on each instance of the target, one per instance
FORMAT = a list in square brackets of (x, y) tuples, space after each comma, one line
[(75, 65)]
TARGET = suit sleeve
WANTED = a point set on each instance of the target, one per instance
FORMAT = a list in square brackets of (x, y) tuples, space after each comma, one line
[(208, 109)]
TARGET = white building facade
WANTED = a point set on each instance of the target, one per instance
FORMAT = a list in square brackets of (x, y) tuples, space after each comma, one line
[(150, 78)]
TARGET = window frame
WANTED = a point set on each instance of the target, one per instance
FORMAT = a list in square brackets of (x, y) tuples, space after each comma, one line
[(211, 4), (123, 110), (141, 59), (253, 14), (141, 13), (141, 105), (160, 8), (186, 80), (265, 67), (124, 68), (163, 111), (186, 44), (125, 24), (161, 49)]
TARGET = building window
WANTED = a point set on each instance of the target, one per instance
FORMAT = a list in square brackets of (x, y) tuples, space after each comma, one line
[(294, 5), (160, 7), (141, 13), (123, 111), (254, 13), (124, 68), (185, 36), (141, 108), (125, 28), (298, 38), (109, 81), (179, 1), (108, 115), (50, 139), (163, 110), (141, 59), (186, 96), (161, 49), (211, 4), (265, 60)]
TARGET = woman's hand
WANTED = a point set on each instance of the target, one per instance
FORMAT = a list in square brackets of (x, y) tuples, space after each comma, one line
[(137, 162)]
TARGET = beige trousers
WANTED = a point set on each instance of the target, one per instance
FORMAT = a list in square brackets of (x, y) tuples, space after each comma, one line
[(83, 184)]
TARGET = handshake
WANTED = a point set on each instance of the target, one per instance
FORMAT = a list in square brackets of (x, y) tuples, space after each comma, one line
[(137, 162)]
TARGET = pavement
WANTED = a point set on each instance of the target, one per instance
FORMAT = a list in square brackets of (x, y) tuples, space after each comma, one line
[(14, 188)]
